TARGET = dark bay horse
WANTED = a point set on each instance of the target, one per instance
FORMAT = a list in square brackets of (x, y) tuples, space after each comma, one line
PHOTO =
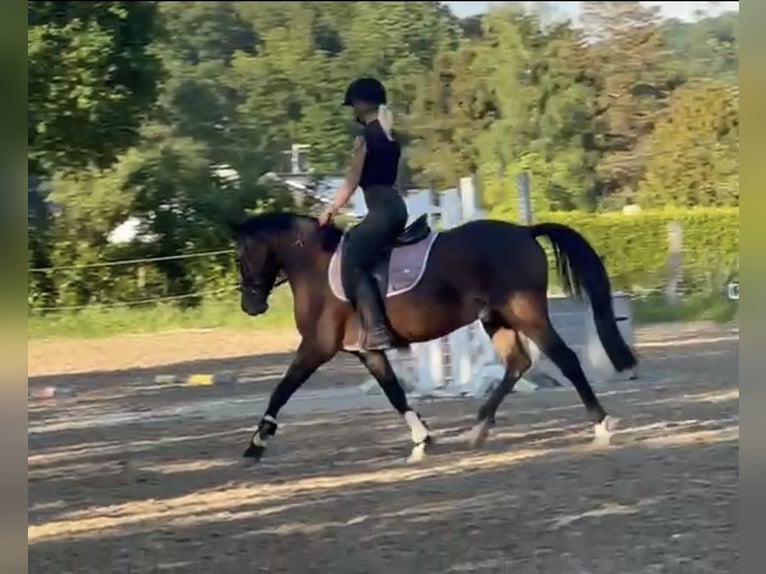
[(489, 270)]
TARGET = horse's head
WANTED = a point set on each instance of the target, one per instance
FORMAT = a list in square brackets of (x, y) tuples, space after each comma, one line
[(257, 274), (268, 247), (258, 264)]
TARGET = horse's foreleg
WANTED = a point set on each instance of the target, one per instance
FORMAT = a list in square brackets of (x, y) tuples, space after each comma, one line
[(516, 362), (380, 368), (308, 358)]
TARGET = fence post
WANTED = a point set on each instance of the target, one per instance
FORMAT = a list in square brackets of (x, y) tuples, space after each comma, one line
[(141, 277), (675, 246), (525, 202)]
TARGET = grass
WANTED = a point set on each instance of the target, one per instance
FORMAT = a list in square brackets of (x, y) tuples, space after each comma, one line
[(698, 307), (104, 322), (225, 313)]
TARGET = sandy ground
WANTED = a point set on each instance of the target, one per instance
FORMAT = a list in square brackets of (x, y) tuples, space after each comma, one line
[(72, 356), (151, 493)]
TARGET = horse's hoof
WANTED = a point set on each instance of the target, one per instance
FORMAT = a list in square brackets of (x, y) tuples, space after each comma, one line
[(603, 431), (252, 455), (477, 436), (420, 450)]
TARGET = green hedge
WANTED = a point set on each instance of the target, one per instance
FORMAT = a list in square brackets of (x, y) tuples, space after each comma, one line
[(635, 247)]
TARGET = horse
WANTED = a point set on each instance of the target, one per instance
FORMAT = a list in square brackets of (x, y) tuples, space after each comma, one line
[(434, 283)]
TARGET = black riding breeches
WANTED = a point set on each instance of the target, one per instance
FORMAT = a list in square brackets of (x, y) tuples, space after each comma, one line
[(385, 220)]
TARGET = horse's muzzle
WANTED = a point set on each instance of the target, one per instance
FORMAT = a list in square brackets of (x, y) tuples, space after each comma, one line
[(254, 308), (253, 302)]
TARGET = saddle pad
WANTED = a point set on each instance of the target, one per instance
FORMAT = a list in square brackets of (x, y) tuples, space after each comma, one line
[(405, 269)]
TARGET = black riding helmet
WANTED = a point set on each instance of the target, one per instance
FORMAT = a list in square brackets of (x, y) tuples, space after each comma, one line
[(368, 90)]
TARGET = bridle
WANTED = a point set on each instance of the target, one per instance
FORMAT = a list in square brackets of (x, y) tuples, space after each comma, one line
[(259, 289), (254, 284)]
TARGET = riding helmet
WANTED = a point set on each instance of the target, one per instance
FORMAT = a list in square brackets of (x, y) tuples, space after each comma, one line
[(368, 90)]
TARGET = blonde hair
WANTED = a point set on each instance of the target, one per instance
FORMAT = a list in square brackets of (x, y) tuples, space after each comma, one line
[(386, 119)]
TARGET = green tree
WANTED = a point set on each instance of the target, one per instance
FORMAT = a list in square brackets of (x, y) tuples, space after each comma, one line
[(706, 48), (201, 40), (453, 105), (291, 86), (168, 186), (562, 165), (625, 54), (542, 115), (511, 97), (92, 79), (309, 51), (695, 150)]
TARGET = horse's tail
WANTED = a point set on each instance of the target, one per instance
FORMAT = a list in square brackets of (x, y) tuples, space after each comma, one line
[(581, 269)]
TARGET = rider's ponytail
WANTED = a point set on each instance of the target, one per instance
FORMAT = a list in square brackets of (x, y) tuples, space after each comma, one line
[(386, 119)]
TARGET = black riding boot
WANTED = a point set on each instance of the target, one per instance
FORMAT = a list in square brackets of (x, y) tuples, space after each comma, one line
[(372, 313)]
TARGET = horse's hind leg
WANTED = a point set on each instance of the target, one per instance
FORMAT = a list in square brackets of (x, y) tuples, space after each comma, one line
[(380, 368), (516, 362), (530, 313)]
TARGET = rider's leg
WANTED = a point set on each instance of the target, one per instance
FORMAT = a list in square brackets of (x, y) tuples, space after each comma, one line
[(386, 219), (372, 312)]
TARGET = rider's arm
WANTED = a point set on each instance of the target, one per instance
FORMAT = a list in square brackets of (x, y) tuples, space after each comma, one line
[(352, 176)]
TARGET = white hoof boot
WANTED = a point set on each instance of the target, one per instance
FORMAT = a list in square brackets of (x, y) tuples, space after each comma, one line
[(477, 436), (603, 431)]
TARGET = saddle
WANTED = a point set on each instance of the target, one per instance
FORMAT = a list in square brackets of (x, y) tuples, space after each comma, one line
[(397, 270)]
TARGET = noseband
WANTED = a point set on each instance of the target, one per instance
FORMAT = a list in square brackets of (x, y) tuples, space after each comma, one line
[(258, 289)]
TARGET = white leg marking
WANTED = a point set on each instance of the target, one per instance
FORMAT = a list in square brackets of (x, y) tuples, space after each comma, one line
[(533, 351), (418, 453), (417, 428), (419, 434), (258, 441), (603, 431)]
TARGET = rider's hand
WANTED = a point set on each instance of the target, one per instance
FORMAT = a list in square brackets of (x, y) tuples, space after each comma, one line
[(327, 216)]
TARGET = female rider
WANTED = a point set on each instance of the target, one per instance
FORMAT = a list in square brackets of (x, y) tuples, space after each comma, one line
[(374, 167)]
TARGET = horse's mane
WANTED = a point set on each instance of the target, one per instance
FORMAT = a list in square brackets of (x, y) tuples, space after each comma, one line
[(328, 236)]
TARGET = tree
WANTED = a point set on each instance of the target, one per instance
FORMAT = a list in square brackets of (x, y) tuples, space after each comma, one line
[(200, 42), (542, 112), (310, 51), (695, 150), (453, 105), (706, 48), (561, 164), (92, 79), (625, 53), (167, 185), (291, 88)]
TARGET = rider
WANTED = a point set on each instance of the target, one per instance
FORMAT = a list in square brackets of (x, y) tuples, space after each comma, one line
[(374, 167)]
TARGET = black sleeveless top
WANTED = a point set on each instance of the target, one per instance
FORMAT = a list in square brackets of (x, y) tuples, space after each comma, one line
[(381, 163)]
